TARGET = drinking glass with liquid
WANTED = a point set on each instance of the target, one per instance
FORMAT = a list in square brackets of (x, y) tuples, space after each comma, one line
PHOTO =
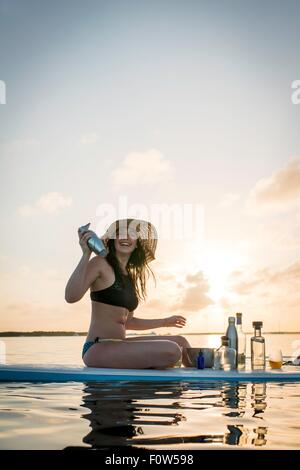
[(275, 359)]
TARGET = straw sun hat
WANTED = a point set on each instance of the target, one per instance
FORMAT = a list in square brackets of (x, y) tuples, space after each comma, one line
[(137, 228)]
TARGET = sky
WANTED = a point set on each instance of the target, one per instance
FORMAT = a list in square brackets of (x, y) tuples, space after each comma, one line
[(150, 105)]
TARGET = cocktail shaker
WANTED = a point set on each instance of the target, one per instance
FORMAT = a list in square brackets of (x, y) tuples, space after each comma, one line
[(94, 243)]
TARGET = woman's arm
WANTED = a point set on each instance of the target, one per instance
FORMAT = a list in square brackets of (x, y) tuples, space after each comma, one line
[(83, 276), (85, 273), (143, 324)]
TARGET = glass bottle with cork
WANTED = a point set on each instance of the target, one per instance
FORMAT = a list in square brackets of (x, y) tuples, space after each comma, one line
[(225, 357), (258, 348)]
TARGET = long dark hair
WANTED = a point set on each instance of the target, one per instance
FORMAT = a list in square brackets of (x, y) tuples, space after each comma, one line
[(137, 267)]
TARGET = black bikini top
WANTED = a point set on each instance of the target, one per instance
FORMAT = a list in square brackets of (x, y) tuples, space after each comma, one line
[(117, 294)]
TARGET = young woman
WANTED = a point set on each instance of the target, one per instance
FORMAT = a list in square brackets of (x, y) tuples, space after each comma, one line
[(117, 284)]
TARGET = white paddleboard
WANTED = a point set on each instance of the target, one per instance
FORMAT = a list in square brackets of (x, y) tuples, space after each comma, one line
[(58, 373)]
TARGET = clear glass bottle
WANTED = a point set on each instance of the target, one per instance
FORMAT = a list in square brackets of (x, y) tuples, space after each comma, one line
[(225, 357), (258, 348), (217, 356), (231, 334), (241, 342)]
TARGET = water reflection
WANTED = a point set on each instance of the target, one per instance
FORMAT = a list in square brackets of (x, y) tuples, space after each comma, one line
[(260, 439), (233, 396), (258, 396), (117, 414), (159, 414)]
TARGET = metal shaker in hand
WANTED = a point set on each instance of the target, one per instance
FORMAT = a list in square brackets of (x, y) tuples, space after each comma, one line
[(94, 243)]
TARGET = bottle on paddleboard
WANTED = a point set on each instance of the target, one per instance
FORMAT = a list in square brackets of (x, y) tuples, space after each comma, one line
[(94, 243), (225, 357), (232, 336), (200, 361), (258, 348), (241, 342)]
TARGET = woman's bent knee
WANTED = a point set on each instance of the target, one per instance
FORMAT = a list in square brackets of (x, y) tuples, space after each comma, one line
[(182, 341), (173, 353)]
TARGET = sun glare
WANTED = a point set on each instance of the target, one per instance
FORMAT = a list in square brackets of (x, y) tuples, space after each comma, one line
[(217, 264)]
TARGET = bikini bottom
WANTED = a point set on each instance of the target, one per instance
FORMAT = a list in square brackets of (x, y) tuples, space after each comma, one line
[(88, 344)]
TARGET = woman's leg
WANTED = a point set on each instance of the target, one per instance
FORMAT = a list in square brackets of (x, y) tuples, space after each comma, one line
[(180, 340), (133, 354)]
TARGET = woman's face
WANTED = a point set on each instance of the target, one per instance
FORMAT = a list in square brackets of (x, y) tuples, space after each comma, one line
[(125, 243)]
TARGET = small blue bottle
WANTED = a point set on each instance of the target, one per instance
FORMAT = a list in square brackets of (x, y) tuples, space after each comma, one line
[(200, 361)]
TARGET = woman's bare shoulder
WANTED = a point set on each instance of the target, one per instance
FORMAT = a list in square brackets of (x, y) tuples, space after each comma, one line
[(101, 264), (105, 273)]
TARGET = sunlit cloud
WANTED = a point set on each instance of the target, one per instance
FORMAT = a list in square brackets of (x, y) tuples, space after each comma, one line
[(50, 203), (279, 192), (228, 200), (153, 308), (142, 168), (226, 303), (268, 294), (24, 270), (286, 279), (194, 294), (91, 138)]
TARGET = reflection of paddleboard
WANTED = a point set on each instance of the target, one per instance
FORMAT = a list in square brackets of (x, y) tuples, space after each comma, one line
[(58, 373)]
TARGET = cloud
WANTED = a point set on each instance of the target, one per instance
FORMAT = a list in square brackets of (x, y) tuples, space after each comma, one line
[(270, 295), (50, 203), (194, 294), (228, 200), (87, 139), (225, 303), (155, 303), (155, 307), (140, 168), (279, 192), (284, 280), (166, 276), (246, 287), (289, 275), (24, 270)]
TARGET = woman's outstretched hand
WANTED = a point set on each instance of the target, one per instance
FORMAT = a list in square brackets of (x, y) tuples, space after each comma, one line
[(176, 320)]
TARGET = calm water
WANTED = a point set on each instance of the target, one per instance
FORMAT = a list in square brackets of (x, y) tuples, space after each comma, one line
[(149, 415)]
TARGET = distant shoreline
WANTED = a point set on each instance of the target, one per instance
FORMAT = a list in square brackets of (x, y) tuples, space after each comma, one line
[(80, 333)]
